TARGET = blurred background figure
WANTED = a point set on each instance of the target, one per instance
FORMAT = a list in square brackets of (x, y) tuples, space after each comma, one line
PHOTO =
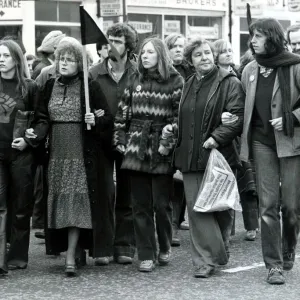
[(46, 51), (30, 60), (293, 37), (176, 44), (102, 51)]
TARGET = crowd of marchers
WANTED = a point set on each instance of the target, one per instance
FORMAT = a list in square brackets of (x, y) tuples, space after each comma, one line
[(122, 176)]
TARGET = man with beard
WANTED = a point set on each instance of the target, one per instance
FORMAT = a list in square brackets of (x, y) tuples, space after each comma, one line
[(112, 74), (176, 44), (293, 37)]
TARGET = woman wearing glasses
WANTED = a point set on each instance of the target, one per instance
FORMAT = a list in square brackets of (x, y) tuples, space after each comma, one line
[(73, 189)]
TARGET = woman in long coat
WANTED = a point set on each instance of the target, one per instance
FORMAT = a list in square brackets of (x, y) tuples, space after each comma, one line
[(75, 155)]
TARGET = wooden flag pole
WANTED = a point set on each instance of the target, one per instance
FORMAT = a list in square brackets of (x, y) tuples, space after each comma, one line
[(86, 83)]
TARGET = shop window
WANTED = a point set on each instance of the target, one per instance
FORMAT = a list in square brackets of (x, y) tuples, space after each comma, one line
[(57, 11), (209, 28), (146, 25), (42, 31), (174, 24)]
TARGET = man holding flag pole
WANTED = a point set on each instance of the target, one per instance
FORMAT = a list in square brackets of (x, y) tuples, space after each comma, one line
[(117, 233)]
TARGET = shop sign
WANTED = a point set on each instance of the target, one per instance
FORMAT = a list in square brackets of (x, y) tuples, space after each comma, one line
[(240, 8), (205, 32), (294, 5), (171, 27), (109, 8), (142, 27), (215, 5), (10, 10), (274, 5)]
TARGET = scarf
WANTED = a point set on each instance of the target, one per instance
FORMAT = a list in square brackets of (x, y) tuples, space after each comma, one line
[(282, 63)]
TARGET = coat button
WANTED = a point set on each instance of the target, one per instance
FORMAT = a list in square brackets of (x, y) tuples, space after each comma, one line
[(193, 109), (191, 136), (190, 152), (273, 105)]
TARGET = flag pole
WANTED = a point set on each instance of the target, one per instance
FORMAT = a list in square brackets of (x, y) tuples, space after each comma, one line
[(86, 83)]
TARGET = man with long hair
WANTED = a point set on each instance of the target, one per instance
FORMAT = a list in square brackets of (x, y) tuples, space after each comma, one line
[(271, 133)]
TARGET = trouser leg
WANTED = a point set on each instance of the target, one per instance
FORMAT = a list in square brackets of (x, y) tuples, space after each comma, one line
[(249, 203), (268, 182), (124, 243), (290, 201), (22, 171), (3, 214), (162, 203), (38, 209), (206, 239), (143, 215)]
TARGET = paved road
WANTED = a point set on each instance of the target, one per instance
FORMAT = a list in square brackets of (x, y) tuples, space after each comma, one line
[(44, 278)]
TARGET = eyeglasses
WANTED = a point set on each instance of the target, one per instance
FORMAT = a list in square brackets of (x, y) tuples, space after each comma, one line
[(67, 60)]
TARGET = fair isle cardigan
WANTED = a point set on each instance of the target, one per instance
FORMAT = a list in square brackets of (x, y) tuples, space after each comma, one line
[(152, 104)]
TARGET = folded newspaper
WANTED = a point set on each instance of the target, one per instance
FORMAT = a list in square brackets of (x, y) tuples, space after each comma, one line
[(220, 193)]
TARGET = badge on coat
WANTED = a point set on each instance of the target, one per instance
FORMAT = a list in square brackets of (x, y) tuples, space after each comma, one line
[(251, 78), (138, 88)]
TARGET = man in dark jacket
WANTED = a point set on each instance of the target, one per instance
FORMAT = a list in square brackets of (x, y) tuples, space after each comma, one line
[(112, 75)]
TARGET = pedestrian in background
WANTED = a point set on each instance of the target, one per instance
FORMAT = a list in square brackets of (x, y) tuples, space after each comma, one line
[(293, 38), (206, 95), (145, 128), (271, 133), (73, 183), (175, 44), (245, 177), (17, 165)]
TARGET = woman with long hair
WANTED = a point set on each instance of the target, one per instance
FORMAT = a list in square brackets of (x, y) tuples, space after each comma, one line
[(72, 175), (271, 135), (17, 165), (145, 128)]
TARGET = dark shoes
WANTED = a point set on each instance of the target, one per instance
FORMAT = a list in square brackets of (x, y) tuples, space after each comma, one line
[(275, 276), (164, 257), (204, 271), (175, 238), (288, 260), (80, 259), (40, 234)]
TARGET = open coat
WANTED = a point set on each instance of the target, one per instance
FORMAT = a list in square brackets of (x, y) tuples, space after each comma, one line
[(97, 148)]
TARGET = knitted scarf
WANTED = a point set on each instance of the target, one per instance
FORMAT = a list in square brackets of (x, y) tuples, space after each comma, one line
[(282, 63)]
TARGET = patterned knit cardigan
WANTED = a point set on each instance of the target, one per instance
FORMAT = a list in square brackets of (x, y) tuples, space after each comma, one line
[(151, 104)]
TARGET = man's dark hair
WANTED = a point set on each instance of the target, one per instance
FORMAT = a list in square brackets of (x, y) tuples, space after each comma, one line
[(273, 30), (129, 33), (293, 28)]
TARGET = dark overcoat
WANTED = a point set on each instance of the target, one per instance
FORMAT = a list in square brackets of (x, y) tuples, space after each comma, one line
[(97, 149)]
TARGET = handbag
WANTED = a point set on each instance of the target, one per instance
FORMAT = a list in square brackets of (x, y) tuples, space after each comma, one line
[(23, 121)]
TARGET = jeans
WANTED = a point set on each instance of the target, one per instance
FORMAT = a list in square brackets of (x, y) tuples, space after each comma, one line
[(124, 242), (152, 207), (16, 188), (209, 232), (270, 172)]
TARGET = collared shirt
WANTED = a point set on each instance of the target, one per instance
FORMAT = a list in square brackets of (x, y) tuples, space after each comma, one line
[(265, 71), (116, 77)]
